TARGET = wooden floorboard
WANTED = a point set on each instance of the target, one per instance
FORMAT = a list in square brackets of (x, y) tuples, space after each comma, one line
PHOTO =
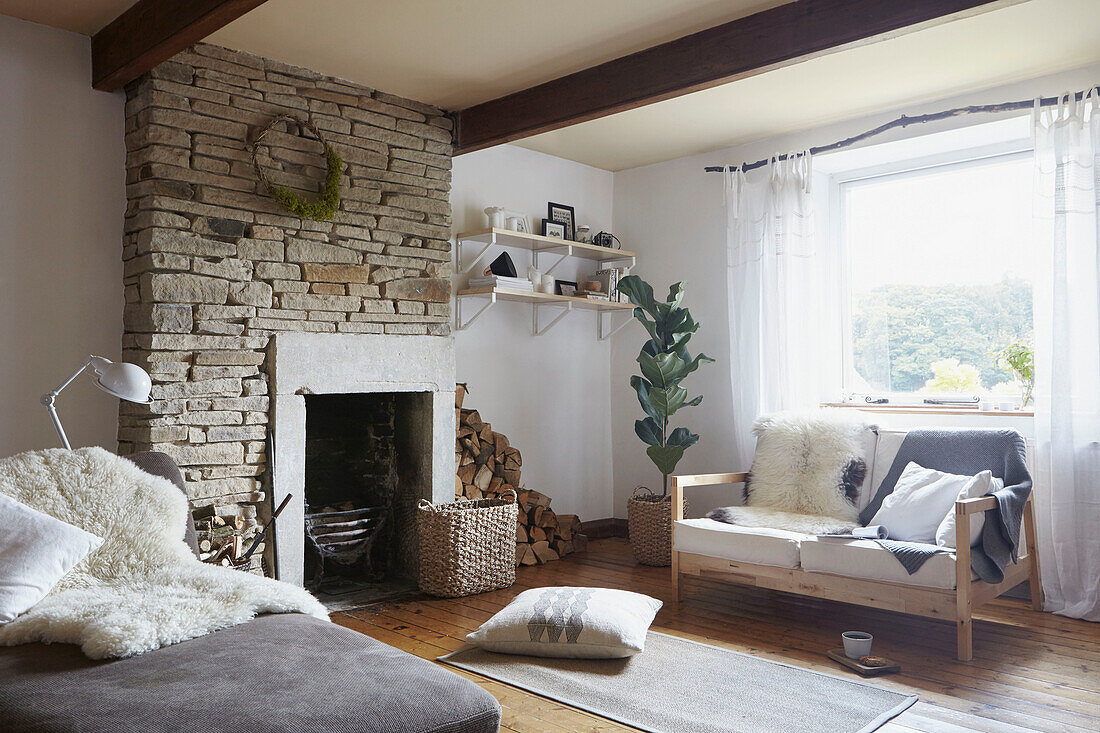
[(1031, 671)]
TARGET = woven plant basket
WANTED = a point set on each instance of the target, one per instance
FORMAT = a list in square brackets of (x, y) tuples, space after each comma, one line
[(467, 547), (649, 521)]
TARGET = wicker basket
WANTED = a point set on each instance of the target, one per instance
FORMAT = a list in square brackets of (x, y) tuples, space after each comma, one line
[(467, 547), (650, 526)]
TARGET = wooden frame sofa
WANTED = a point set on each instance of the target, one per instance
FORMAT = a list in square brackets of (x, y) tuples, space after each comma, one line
[(949, 604)]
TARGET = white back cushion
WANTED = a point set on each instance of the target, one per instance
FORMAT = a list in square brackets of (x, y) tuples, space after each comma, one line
[(868, 449), (886, 449)]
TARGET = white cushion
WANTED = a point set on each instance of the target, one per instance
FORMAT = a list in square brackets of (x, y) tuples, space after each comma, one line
[(886, 449), (869, 560), (977, 487), (36, 551), (577, 623), (868, 441), (919, 502), (756, 545)]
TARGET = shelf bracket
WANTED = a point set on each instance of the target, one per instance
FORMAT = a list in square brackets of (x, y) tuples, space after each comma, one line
[(567, 308), (600, 330), (491, 299), (476, 258), (568, 253)]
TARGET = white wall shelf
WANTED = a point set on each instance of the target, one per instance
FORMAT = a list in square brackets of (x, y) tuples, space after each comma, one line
[(536, 244), (566, 304)]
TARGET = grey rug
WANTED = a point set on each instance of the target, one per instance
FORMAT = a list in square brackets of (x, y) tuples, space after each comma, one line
[(679, 685)]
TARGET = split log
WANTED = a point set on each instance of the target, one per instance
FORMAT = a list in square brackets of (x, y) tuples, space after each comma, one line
[(534, 514), (535, 498), (525, 555), (521, 533), (482, 478), (543, 552), (580, 542)]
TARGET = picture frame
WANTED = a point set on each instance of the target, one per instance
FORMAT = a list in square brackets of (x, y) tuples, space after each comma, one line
[(553, 229), (565, 215), (567, 288)]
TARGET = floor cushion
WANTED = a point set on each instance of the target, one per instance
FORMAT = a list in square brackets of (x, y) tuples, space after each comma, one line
[(756, 545), (286, 672), (867, 559)]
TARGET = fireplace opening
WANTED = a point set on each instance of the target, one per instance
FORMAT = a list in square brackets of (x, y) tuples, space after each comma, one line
[(365, 467)]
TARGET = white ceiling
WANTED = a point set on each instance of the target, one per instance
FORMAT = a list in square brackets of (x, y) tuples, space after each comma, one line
[(454, 53)]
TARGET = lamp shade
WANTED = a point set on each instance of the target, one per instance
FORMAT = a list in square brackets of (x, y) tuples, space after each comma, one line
[(126, 381)]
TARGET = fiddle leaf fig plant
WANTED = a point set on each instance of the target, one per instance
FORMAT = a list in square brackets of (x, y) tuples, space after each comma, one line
[(665, 362)]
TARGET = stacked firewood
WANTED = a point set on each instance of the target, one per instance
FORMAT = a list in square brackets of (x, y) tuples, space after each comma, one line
[(224, 537), (488, 465)]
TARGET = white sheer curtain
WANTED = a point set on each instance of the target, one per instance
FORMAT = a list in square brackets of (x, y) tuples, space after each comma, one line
[(1067, 354), (774, 293)]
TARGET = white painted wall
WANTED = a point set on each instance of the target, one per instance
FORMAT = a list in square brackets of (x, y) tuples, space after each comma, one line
[(62, 200), (672, 214), (549, 394)]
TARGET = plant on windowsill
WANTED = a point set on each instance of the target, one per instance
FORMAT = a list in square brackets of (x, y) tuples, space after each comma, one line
[(665, 363), (1019, 359)]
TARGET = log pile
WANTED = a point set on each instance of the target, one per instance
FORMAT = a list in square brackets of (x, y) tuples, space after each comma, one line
[(487, 466), (224, 537)]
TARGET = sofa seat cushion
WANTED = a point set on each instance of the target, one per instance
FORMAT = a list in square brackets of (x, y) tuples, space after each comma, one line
[(287, 672), (756, 545), (869, 560)]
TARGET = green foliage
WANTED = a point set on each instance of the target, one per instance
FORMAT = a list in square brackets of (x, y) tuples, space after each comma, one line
[(324, 209), (898, 331), (949, 376), (1020, 360), (664, 362)]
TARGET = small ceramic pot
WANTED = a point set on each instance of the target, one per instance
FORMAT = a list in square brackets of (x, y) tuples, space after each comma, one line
[(856, 644), (547, 284), (534, 275)]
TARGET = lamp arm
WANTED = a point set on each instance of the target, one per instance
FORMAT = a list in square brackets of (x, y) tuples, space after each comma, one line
[(49, 397)]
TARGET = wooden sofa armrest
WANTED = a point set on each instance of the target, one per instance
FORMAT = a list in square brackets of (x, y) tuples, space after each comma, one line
[(978, 505), (679, 483)]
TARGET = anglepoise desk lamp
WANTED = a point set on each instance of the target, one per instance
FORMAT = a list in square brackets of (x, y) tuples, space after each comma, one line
[(126, 381)]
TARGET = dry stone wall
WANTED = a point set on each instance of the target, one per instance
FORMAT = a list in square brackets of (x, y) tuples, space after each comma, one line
[(214, 266)]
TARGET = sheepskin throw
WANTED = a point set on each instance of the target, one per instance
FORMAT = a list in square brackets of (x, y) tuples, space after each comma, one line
[(806, 474), (143, 588)]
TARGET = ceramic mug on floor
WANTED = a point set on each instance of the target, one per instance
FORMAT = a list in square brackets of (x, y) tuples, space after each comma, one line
[(856, 644)]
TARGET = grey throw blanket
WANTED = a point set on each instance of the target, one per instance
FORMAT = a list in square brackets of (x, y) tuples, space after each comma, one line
[(966, 452)]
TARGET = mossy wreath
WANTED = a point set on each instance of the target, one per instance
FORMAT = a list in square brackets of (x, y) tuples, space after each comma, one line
[(324, 208)]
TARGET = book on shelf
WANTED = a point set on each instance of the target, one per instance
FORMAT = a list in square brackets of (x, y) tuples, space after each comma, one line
[(501, 281), (609, 278)]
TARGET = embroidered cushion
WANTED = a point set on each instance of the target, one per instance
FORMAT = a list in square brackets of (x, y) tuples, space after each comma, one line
[(578, 623)]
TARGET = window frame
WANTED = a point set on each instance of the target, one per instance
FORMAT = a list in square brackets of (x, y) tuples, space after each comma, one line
[(842, 181)]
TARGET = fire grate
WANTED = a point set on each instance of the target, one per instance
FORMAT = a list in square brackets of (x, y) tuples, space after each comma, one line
[(339, 545)]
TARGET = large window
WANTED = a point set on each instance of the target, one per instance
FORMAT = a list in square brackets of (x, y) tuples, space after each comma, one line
[(939, 275)]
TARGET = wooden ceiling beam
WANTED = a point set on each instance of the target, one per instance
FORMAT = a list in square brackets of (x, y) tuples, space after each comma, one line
[(737, 49), (152, 31)]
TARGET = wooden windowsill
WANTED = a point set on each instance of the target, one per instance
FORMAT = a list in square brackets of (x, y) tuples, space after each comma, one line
[(902, 409)]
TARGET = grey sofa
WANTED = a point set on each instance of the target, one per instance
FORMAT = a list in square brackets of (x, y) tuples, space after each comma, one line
[(281, 672)]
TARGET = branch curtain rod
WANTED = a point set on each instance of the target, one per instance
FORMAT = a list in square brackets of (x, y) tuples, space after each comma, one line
[(904, 121)]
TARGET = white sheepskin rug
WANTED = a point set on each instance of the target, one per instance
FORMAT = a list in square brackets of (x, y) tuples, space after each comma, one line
[(806, 473), (143, 588)]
